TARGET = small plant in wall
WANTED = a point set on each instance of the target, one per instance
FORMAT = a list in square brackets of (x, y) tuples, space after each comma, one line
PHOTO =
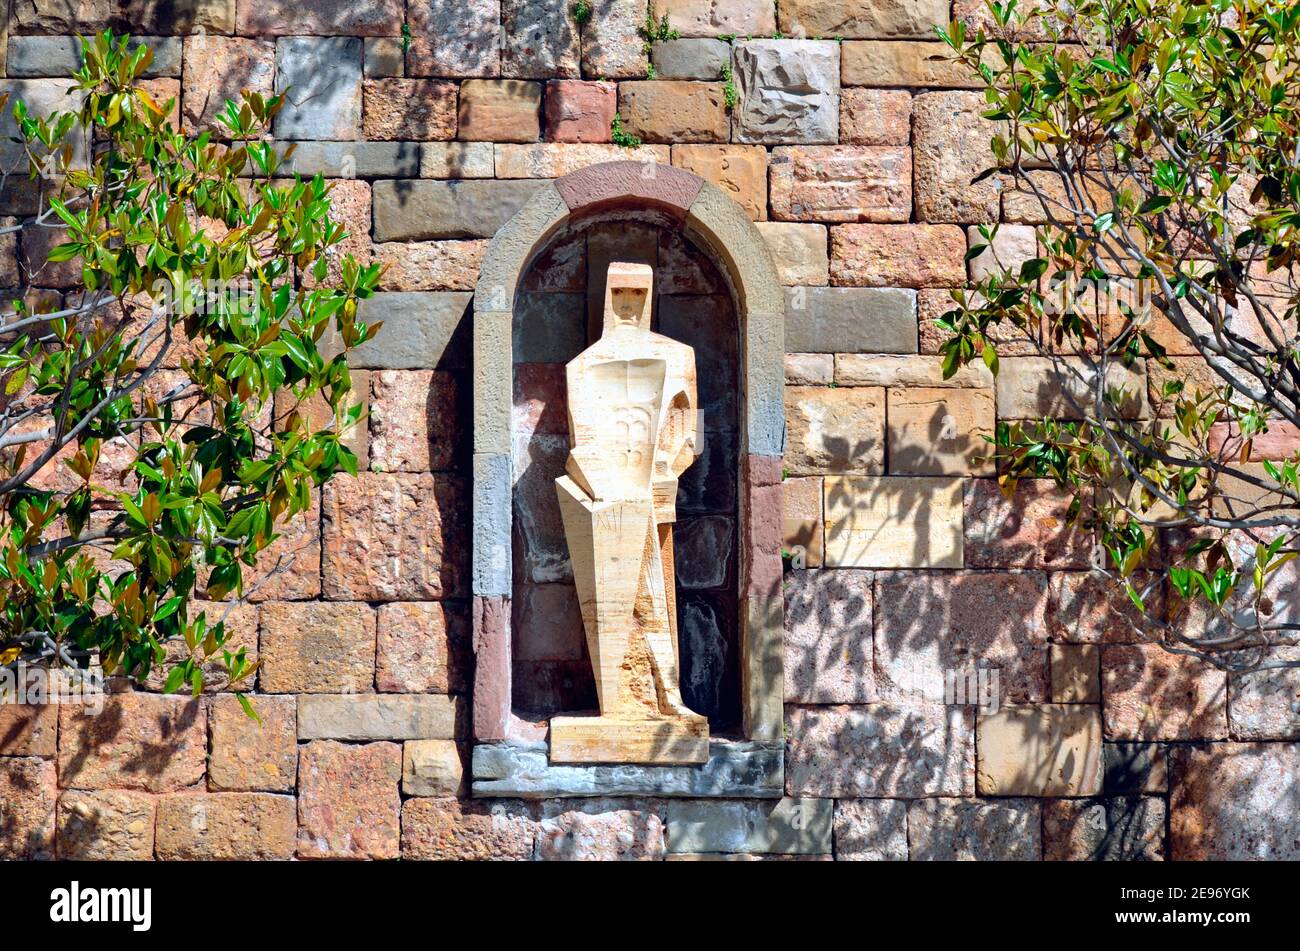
[(729, 95), (620, 136), (154, 436), (1158, 143), (581, 12)]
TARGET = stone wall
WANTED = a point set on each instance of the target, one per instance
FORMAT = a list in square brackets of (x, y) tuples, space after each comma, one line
[(853, 147)]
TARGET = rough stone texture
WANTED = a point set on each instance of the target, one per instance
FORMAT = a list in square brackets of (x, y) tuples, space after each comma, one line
[(834, 430), (739, 170), (1265, 704), (849, 319), (224, 826), (379, 717), (320, 78), (33, 56), (540, 40), (28, 792), (217, 68), (786, 826), (971, 830), (1034, 387), (799, 251), (690, 58), (841, 183), (1133, 768), (500, 110), (950, 145), (871, 830), (458, 830), (788, 91), (1088, 608), (1040, 750), (1149, 693), (138, 741), (28, 730), (554, 159), (60, 16), (1114, 830), (939, 431), (578, 111), (612, 47), (673, 111), (394, 537), (903, 63), (413, 421), (423, 210), (454, 38), (617, 835), (709, 18), (430, 265), (1218, 795), (862, 18), (423, 646), (878, 750), (250, 754), (875, 117), (1011, 246), (1029, 530), (895, 522), (320, 18), (429, 323), (828, 654), (317, 647), (384, 58), (433, 768), (405, 109), (876, 369), (348, 800), (456, 160), (110, 825), (1076, 673), (875, 255), (804, 535)]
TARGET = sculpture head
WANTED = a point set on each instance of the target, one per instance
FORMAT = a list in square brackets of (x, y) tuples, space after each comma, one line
[(627, 296)]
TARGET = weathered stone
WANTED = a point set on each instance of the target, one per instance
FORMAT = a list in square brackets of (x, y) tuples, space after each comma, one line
[(674, 111), (147, 17), (612, 47), (878, 750), (615, 835), (394, 537), (1039, 750), (578, 111), (111, 825), (834, 430), (802, 523), (950, 148), (918, 64), (1011, 247), (549, 618), (349, 206), (539, 40), (430, 265), (788, 91), (320, 18), (1115, 830), (845, 319), (875, 117), (973, 830), (429, 323), (739, 170), (454, 38), (423, 210), (1151, 694), (784, 826), (317, 647), (1029, 530), (42, 98), (349, 805), (367, 159), (433, 768), (709, 18), (34, 56), (250, 754), (456, 160), (1265, 704), (895, 522), (875, 255), (1063, 387), (455, 830), (500, 110), (799, 252), (320, 77), (406, 109), (138, 741), (1133, 768), (878, 369), (702, 551), (379, 717), (1076, 673), (828, 651), (871, 830), (384, 58), (841, 183), (854, 19), (933, 302), (423, 646), (224, 826), (690, 58), (937, 632), (1234, 801), (413, 421), (940, 431), (28, 730), (61, 16), (318, 413), (289, 569), (555, 159), (27, 789)]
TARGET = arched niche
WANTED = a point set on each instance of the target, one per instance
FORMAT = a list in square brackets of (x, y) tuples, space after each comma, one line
[(705, 219)]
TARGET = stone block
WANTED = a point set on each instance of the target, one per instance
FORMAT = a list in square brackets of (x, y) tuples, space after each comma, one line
[(384, 58), (430, 265), (320, 18), (500, 110), (363, 159), (320, 77), (55, 56), (1133, 768), (870, 830), (809, 369), (1029, 530), (788, 826), (897, 255), (876, 117), (841, 183), (1234, 802), (788, 91), (430, 326), (739, 170), (1039, 750), (424, 210), (910, 63), (1011, 247), (539, 40), (578, 111), (876, 369), (708, 18), (802, 522), (838, 752), (248, 754), (850, 320), (1076, 673), (972, 830), (379, 717), (457, 830), (950, 148), (349, 804), (217, 68), (226, 826), (148, 742), (940, 431), (1063, 387), (799, 252), (60, 16), (1113, 830), (1151, 694), (969, 638), (557, 159), (454, 38), (29, 729), (423, 646), (457, 160), (897, 522), (413, 421), (1090, 608), (317, 647), (1265, 704), (577, 835), (674, 111), (854, 19), (828, 643), (612, 47), (409, 109), (433, 768), (27, 789), (110, 825), (834, 430), (696, 58)]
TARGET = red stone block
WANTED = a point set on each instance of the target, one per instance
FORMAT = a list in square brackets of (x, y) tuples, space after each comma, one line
[(579, 111)]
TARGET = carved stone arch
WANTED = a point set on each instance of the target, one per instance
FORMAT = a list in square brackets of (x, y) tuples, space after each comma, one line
[(718, 227)]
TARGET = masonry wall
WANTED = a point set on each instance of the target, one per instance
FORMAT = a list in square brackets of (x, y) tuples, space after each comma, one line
[(854, 149)]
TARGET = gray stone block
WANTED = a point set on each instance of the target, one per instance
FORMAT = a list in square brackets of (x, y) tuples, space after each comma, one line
[(734, 769), (425, 716), (31, 56), (850, 320), (789, 91), (788, 826), (421, 331), (539, 40), (765, 384), (690, 59), (492, 382), (548, 328), (43, 97), (427, 210), (321, 79), (354, 159), (491, 561)]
